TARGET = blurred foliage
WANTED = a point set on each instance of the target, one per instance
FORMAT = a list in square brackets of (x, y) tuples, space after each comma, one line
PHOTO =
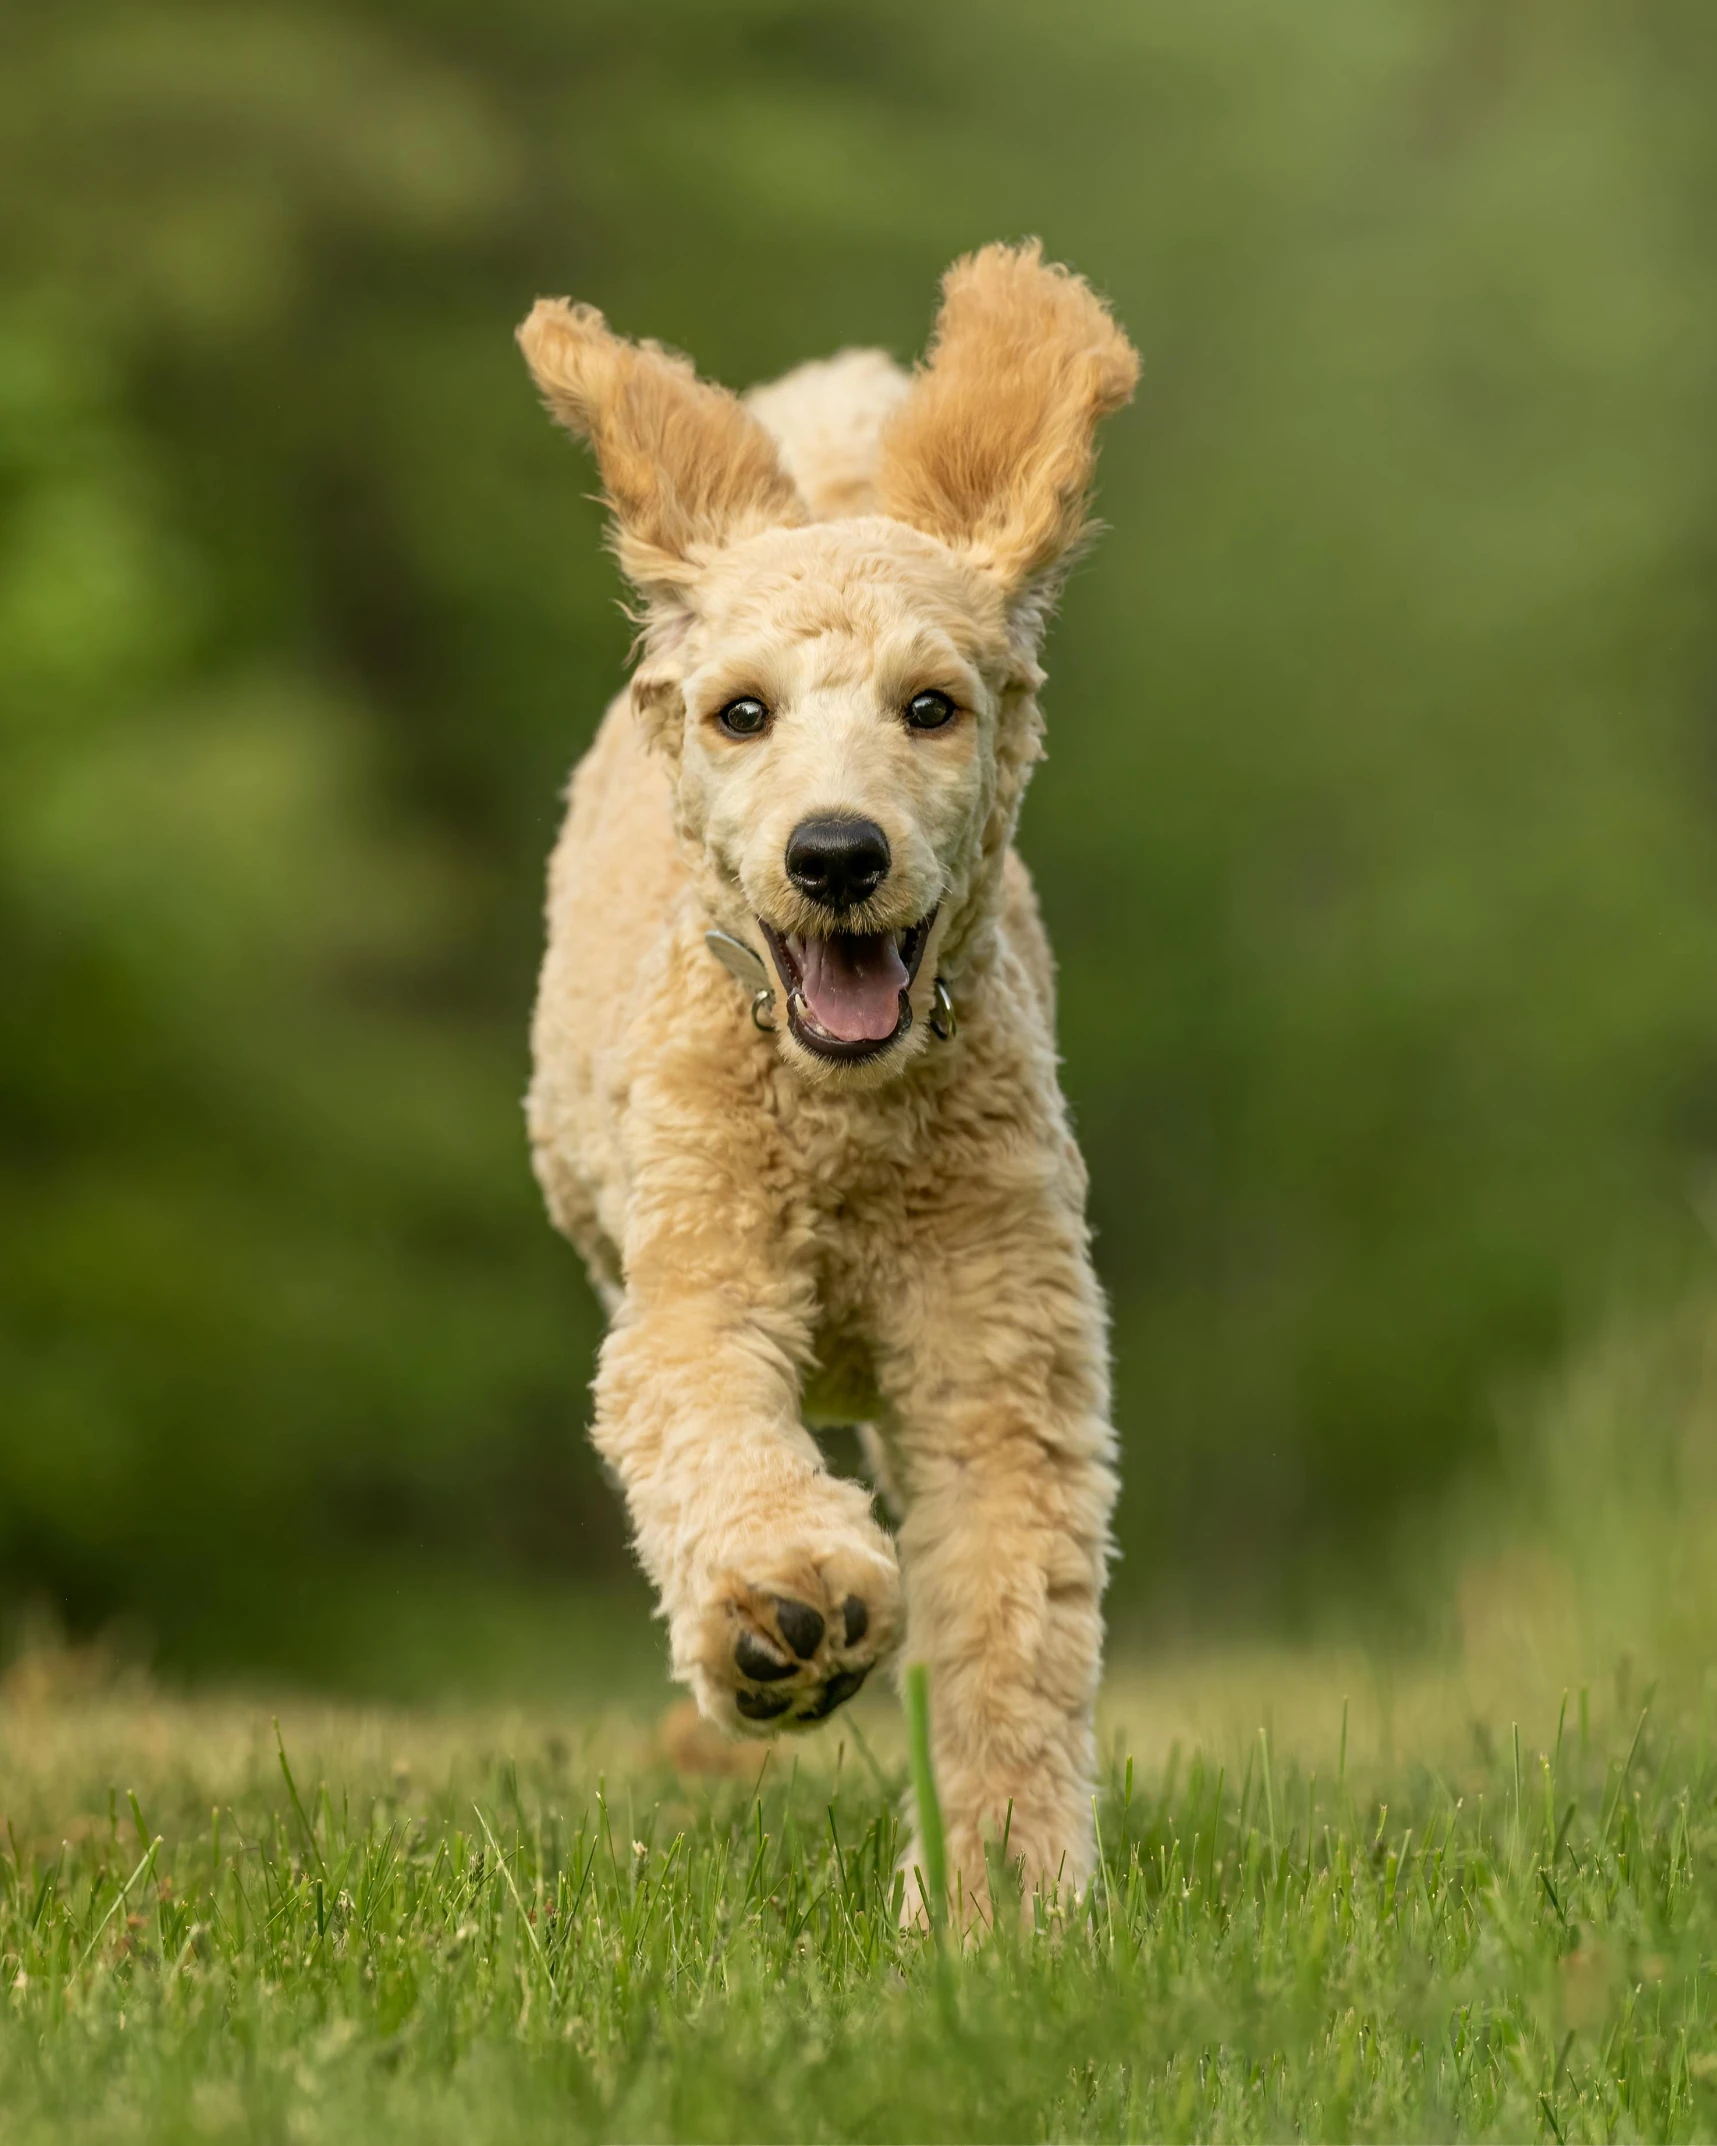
[(1376, 840)]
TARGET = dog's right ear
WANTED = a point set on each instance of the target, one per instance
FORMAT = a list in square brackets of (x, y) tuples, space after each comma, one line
[(685, 466)]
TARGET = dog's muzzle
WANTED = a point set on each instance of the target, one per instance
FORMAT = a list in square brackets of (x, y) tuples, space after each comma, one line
[(794, 956)]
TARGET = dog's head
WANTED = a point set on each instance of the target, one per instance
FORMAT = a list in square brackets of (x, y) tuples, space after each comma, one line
[(848, 706)]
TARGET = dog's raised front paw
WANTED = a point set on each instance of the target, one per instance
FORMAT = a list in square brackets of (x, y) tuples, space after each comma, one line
[(781, 1649)]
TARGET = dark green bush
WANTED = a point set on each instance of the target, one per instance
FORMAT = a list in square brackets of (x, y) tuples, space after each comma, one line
[(1376, 837)]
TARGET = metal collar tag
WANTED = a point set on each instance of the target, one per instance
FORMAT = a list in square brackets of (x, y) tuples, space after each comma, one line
[(742, 963)]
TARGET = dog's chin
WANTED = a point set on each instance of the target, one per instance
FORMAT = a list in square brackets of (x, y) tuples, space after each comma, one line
[(841, 988)]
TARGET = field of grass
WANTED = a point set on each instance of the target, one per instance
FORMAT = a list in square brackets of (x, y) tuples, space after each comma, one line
[(472, 1927), (1467, 1890)]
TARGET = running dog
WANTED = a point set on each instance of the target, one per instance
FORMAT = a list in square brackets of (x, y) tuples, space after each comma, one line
[(795, 1095)]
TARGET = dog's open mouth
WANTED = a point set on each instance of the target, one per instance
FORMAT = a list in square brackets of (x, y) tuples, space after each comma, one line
[(847, 990)]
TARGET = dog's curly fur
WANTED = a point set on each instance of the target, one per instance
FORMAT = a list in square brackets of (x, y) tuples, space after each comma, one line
[(779, 1234)]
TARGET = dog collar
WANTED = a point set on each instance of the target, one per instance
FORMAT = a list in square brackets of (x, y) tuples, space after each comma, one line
[(747, 967)]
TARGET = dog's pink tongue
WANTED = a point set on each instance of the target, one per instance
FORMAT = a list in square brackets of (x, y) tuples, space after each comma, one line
[(853, 984)]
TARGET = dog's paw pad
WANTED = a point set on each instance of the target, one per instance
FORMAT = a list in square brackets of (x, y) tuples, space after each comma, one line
[(836, 1692), (784, 1651), (759, 1661), (802, 1627), (762, 1705)]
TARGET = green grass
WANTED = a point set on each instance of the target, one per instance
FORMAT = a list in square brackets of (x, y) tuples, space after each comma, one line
[(1468, 1890), (486, 1935)]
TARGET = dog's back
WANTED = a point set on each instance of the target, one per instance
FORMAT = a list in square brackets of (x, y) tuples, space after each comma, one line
[(826, 419)]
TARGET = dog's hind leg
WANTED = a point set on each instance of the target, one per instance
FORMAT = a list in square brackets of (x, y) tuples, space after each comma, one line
[(879, 1466)]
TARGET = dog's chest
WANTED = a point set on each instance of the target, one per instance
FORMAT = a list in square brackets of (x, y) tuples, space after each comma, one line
[(853, 1169)]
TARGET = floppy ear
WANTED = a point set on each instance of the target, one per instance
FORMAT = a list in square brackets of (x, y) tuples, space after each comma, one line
[(993, 449), (685, 466)]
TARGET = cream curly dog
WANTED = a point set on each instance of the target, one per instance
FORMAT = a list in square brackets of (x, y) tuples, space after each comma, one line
[(795, 1097)]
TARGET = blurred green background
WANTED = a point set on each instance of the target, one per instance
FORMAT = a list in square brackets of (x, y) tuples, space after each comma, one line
[(1377, 836)]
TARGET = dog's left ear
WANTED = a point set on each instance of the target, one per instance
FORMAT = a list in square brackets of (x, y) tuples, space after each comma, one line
[(994, 448), (685, 466)]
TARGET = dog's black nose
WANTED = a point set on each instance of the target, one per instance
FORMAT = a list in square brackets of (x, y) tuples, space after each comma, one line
[(838, 862)]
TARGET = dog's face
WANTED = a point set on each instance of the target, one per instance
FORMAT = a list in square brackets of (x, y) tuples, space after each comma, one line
[(839, 697), (847, 704)]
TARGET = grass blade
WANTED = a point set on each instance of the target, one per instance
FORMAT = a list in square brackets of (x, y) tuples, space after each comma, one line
[(525, 1922), (117, 1902), (924, 1796), (307, 1828)]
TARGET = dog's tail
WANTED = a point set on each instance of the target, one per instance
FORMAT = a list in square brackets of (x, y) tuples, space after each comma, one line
[(826, 419)]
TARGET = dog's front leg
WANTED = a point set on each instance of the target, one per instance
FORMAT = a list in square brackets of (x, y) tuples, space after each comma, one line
[(997, 1366), (780, 1591)]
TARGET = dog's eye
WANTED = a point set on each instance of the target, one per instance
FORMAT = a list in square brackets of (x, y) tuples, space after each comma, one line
[(744, 718), (929, 711)]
